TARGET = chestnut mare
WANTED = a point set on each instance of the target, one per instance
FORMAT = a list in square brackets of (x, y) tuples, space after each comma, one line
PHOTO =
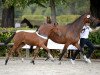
[(33, 39), (68, 34)]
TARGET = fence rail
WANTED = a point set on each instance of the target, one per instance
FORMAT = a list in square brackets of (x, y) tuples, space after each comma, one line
[(69, 54), (10, 44)]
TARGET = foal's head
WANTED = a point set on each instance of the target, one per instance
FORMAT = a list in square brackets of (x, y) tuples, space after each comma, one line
[(48, 20), (47, 29)]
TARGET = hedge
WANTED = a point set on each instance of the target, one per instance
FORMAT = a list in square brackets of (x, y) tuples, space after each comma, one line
[(94, 37), (38, 20)]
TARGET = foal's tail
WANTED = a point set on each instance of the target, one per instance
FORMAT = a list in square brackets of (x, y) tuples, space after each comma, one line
[(9, 39)]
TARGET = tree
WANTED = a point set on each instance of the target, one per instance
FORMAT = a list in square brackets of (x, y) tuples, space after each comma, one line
[(53, 11), (8, 10), (95, 8), (8, 17)]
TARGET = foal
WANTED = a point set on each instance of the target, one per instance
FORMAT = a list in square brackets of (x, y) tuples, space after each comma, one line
[(34, 39)]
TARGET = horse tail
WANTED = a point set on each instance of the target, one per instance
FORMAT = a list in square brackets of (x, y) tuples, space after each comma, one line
[(9, 39)]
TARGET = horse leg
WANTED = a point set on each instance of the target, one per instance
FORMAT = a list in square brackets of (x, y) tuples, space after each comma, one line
[(31, 49), (63, 52), (48, 51), (19, 53), (35, 54), (11, 51), (77, 51), (46, 46)]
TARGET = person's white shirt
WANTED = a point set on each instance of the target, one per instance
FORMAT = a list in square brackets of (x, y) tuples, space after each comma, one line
[(85, 32)]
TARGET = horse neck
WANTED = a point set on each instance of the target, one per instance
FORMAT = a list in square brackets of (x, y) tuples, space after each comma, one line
[(45, 31), (77, 25)]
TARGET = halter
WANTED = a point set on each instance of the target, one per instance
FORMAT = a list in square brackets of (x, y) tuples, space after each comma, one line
[(44, 37), (88, 18)]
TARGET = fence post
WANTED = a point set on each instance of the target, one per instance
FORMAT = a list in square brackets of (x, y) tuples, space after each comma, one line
[(27, 53)]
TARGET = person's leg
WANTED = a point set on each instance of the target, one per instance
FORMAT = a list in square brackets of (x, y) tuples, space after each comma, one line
[(91, 48), (82, 42)]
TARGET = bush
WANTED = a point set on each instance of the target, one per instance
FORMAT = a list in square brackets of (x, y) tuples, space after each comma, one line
[(95, 37)]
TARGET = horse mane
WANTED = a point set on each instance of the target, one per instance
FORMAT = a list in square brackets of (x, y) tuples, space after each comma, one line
[(78, 19)]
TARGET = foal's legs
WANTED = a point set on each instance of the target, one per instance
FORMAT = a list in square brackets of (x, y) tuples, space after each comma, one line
[(48, 51), (11, 51), (35, 54), (19, 53)]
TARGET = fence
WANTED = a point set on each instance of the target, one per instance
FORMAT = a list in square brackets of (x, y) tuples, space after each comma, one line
[(69, 53), (51, 45)]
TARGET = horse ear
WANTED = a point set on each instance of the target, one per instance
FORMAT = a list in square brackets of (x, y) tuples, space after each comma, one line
[(55, 24)]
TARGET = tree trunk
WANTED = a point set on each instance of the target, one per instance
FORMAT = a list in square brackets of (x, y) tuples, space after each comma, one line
[(8, 17), (72, 8), (95, 8), (53, 11)]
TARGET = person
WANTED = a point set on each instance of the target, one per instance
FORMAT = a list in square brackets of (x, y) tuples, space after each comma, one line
[(85, 41)]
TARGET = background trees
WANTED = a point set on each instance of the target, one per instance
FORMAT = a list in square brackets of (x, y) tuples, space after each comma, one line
[(95, 8), (8, 10), (16, 8)]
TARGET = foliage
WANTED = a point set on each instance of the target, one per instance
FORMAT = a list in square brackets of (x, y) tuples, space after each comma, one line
[(95, 37), (22, 3), (33, 17), (64, 19)]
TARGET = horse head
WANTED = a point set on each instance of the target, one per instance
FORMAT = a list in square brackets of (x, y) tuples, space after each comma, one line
[(88, 18), (55, 30)]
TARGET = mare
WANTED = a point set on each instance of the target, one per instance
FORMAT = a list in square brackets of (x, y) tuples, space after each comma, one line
[(33, 39), (70, 33)]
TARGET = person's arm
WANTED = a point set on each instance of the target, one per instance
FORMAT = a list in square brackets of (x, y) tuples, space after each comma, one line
[(96, 29)]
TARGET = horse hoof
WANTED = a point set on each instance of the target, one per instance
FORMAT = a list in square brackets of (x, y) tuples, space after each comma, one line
[(22, 59), (47, 59), (52, 60), (6, 62), (59, 63), (32, 62)]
